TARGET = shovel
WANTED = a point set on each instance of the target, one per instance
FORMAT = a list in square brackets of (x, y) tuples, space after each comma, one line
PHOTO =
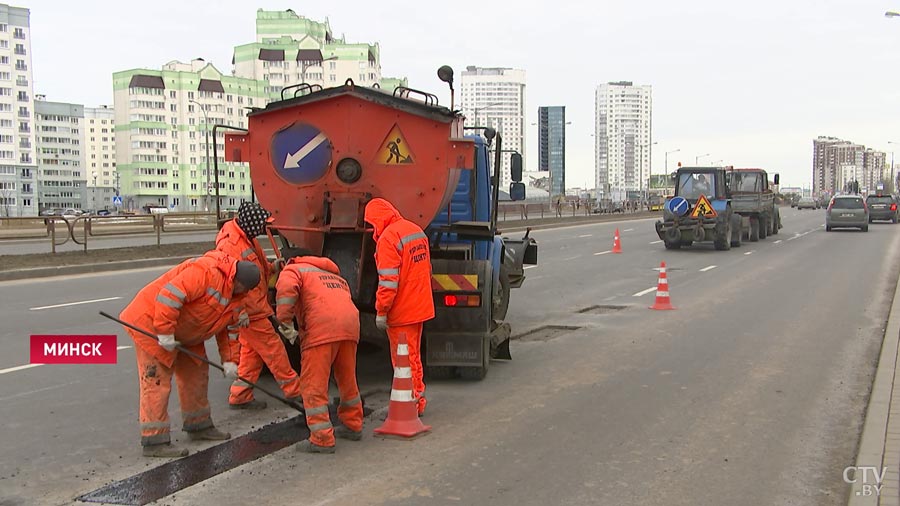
[(191, 354)]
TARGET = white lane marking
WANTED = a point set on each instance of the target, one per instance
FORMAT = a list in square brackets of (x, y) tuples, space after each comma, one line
[(628, 230), (571, 258), (656, 242), (792, 238), (777, 242), (585, 235), (602, 252), (645, 292), (29, 366), (749, 252), (19, 368), (529, 267), (73, 303), (711, 267)]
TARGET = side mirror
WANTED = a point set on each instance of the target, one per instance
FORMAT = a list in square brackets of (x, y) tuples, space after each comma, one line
[(517, 191), (777, 178), (515, 168)]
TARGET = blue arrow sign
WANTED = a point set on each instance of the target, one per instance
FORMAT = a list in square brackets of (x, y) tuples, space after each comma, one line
[(301, 153), (678, 206)]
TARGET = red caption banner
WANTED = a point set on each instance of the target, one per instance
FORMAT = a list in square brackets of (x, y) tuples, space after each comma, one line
[(73, 349)]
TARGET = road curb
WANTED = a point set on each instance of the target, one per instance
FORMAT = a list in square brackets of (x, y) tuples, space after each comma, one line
[(67, 270), (875, 428)]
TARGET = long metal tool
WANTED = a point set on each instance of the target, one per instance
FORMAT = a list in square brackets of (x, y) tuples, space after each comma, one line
[(191, 354)]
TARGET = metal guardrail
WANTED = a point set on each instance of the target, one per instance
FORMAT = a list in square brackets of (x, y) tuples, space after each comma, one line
[(61, 229)]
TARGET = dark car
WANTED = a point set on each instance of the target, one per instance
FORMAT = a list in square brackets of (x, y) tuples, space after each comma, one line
[(882, 207), (847, 211)]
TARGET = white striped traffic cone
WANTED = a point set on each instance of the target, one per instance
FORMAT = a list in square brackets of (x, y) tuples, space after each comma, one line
[(403, 415), (662, 290)]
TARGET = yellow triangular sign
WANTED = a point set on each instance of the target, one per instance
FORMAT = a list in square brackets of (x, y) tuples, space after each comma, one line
[(394, 150), (703, 208)]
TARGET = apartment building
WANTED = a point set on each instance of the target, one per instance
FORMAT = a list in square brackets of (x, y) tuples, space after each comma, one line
[(162, 121), (495, 97), (623, 138)]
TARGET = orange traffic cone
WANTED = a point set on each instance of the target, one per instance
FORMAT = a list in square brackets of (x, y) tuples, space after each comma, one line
[(662, 290), (617, 244), (403, 415)]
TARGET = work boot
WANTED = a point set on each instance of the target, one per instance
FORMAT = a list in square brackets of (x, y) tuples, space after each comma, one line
[(309, 447), (209, 434), (344, 433), (165, 450), (254, 405)]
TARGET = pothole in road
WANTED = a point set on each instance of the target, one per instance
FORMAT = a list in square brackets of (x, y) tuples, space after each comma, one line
[(547, 332), (602, 309)]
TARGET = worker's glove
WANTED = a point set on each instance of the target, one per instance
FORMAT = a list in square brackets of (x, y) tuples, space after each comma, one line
[(230, 370), (243, 319), (167, 341), (381, 322), (288, 332)]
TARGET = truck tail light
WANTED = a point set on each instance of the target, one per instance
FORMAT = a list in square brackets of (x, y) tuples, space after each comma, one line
[(451, 300), (893, 207)]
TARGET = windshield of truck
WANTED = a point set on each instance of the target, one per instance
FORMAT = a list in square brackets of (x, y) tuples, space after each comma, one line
[(691, 186), (745, 182)]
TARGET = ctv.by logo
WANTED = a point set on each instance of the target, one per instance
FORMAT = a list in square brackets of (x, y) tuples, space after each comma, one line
[(870, 478)]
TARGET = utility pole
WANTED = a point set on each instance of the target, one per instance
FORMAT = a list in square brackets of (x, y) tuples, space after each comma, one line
[(206, 126)]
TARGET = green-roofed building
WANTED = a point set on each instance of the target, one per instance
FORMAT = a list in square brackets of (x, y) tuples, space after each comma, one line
[(291, 49), (161, 121)]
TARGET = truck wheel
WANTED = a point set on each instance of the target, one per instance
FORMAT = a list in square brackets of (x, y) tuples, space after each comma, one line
[(672, 245), (736, 232), (478, 373), (754, 229), (501, 299), (722, 242), (777, 221), (763, 227)]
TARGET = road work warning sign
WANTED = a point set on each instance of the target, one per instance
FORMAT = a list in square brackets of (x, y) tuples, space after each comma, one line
[(703, 208), (394, 150)]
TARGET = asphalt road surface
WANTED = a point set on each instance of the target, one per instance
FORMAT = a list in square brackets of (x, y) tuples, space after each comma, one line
[(751, 392)]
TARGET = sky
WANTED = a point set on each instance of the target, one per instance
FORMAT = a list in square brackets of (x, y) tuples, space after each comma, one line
[(749, 83)]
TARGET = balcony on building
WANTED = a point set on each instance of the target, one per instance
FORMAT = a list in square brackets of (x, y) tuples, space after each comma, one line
[(25, 159), (21, 82), (21, 67), (19, 51), (25, 129), (24, 145)]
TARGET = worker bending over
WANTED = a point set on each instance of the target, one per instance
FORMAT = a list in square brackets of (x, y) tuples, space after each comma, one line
[(198, 299), (311, 289)]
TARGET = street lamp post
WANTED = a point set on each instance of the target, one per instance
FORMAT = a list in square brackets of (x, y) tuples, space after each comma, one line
[(476, 109), (667, 158), (206, 126), (697, 159), (304, 66)]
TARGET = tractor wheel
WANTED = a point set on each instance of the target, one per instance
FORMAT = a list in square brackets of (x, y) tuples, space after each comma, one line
[(722, 242), (763, 227), (754, 229)]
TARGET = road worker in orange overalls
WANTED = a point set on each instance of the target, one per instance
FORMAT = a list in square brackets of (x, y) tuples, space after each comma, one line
[(312, 290), (259, 344), (187, 305), (403, 301)]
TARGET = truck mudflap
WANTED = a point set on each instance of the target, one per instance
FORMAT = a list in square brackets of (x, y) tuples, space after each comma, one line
[(517, 253), (460, 332)]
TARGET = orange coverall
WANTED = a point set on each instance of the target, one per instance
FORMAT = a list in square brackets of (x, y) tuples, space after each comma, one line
[(259, 344), (193, 301), (312, 290), (403, 260)]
